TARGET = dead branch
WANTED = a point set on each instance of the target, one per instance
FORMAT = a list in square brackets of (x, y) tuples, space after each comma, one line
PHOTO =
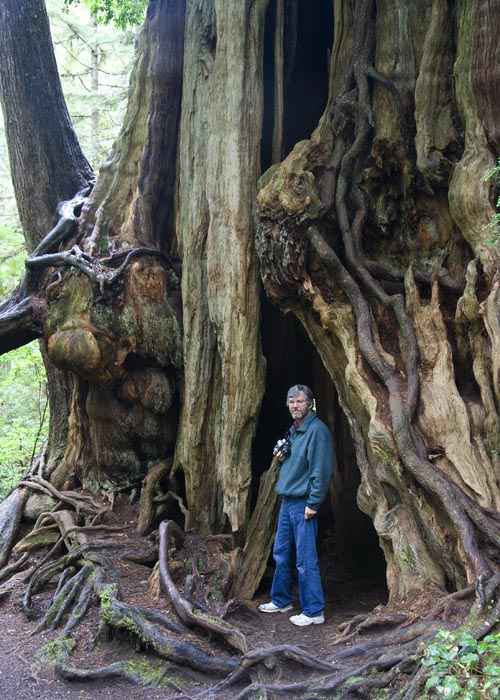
[(98, 271), (21, 321)]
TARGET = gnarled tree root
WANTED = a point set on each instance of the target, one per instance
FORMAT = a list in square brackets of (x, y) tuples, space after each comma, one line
[(189, 615), (85, 574), (139, 671), (122, 616)]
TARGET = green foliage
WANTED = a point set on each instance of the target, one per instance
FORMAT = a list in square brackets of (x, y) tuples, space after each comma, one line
[(463, 668), (94, 63), (494, 225), (121, 13), (12, 257), (23, 413), (23, 398)]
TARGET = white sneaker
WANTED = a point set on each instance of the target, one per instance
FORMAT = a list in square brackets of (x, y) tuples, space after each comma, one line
[(272, 608), (303, 620)]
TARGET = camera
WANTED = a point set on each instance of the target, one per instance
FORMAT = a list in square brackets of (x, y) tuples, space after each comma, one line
[(284, 447)]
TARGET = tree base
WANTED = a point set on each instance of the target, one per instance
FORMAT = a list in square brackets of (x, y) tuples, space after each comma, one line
[(94, 603)]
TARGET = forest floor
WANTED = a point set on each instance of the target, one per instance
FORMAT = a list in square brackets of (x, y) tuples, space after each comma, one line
[(26, 675)]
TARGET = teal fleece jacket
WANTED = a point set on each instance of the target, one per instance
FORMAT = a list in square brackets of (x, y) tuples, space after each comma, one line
[(308, 469)]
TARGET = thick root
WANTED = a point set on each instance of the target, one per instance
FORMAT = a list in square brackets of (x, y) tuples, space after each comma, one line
[(139, 671), (122, 616), (356, 667), (189, 615)]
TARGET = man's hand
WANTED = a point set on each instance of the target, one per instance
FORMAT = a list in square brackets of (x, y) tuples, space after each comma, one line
[(309, 513)]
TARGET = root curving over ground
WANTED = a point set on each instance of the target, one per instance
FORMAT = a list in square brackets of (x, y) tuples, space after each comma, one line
[(109, 603)]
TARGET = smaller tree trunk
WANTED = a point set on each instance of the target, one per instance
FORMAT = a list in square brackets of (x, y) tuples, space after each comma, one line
[(250, 562)]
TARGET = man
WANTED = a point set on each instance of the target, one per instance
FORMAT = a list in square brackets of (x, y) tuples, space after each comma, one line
[(303, 483)]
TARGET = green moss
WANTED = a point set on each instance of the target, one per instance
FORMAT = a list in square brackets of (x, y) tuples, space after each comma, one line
[(266, 177), (151, 673), (69, 300), (37, 540), (216, 595), (107, 594), (408, 557), (54, 652)]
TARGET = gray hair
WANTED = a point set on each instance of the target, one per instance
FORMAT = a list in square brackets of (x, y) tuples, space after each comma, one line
[(295, 391)]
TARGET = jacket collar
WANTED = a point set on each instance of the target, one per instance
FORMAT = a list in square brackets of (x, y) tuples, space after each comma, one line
[(305, 425)]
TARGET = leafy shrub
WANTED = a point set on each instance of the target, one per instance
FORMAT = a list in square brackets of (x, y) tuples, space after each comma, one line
[(463, 668)]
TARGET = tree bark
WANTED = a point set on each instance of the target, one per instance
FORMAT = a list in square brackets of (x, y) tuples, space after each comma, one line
[(326, 252), (218, 170)]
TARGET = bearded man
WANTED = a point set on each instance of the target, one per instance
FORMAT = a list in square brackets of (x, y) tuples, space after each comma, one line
[(306, 457)]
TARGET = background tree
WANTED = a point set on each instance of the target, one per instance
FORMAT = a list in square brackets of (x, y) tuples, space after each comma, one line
[(96, 117), (370, 229)]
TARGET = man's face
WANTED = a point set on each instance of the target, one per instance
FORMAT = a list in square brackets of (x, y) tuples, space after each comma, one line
[(299, 407)]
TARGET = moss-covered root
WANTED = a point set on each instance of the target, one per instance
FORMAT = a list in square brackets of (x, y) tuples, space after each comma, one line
[(65, 598), (140, 671), (119, 615), (54, 653)]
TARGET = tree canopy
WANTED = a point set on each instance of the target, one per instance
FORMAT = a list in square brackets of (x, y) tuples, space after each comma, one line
[(123, 13)]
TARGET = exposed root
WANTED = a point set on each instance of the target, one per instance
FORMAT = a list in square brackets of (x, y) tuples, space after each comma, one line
[(68, 562), (120, 615), (141, 672), (417, 632), (80, 502), (86, 573), (11, 513), (270, 657), (186, 611), (148, 492), (13, 568), (443, 605), (63, 600), (364, 622)]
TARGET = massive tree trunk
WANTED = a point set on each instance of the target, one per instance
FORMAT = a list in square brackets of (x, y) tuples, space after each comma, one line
[(219, 163), (372, 126), (373, 234)]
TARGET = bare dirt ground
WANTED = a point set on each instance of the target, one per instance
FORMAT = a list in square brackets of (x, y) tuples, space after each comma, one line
[(27, 674)]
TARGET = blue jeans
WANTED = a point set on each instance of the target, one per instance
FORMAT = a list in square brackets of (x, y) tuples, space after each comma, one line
[(294, 529)]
